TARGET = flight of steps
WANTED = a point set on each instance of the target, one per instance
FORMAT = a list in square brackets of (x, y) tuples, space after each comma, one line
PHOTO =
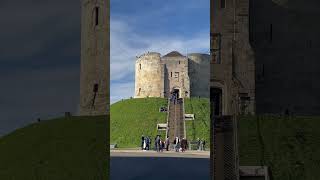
[(176, 120)]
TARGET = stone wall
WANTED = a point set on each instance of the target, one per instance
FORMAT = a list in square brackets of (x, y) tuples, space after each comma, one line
[(158, 76), (149, 76), (287, 50), (199, 73), (95, 53), (232, 65), (176, 76)]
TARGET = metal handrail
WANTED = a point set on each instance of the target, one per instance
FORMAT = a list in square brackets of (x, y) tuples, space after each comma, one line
[(168, 111)]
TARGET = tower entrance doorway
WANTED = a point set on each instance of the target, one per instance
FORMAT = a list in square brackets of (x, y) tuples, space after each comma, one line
[(176, 92), (216, 101)]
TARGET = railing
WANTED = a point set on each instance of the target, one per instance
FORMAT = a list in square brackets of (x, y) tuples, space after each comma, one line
[(184, 122), (168, 111)]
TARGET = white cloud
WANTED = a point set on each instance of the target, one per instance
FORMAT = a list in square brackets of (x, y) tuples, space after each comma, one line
[(127, 44)]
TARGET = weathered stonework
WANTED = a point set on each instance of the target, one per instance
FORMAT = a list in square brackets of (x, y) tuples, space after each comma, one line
[(199, 71), (95, 53), (149, 76), (158, 76), (232, 79)]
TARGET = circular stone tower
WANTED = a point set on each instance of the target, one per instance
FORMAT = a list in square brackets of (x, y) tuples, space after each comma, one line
[(149, 76), (199, 73)]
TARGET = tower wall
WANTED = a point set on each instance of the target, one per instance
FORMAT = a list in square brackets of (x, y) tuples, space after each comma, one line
[(149, 76), (287, 49), (232, 65), (95, 55), (199, 74), (176, 76)]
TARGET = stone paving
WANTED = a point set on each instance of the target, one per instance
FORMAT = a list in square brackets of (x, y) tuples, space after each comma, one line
[(151, 153)]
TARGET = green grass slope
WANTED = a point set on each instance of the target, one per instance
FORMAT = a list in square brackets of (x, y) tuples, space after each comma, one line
[(200, 127), (288, 145), (131, 118), (59, 149)]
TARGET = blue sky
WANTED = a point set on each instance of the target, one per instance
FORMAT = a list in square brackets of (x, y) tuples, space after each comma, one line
[(40, 50), (161, 26)]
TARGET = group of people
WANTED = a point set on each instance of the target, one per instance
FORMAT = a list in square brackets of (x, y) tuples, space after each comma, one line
[(174, 98), (159, 144), (201, 144), (145, 143), (179, 145)]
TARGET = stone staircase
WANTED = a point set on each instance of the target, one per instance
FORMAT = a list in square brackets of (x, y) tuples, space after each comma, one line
[(176, 120)]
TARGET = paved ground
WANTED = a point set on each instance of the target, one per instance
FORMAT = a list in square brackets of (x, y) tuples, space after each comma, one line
[(139, 165), (139, 153)]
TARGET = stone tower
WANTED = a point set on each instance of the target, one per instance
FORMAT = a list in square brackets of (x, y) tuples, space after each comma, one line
[(232, 79), (176, 74), (95, 55), (149, 76), (159, 76)]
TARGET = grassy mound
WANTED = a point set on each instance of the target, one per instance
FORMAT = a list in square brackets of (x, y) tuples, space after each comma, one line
[(288, 145), (200, 127), (131, 118), (64, 149)]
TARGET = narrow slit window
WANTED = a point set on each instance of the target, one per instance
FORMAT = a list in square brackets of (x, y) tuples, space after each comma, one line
[(97, 16), (271, 33), (139, 66), (223, 4), (171, 74)]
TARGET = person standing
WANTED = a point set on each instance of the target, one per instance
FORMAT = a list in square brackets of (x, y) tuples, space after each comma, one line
[(161, 144), (177, 144), (204, 144), (167, 143), (198, 144), (183, 145), (155, 143), (142, 141), (201, 145), (147, 143), (158, 143), (144, 144)]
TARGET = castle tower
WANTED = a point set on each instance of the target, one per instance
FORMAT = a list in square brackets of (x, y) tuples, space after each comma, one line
[(232, 79), (176, 74), (95, 55), (149, 76)]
